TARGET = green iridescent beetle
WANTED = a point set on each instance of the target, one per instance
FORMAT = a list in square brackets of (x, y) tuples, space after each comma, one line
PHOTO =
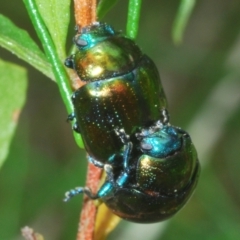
[(122, 90), (156, 177)]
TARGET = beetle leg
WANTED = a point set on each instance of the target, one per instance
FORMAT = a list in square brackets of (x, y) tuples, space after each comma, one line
[(105, 188), (103, 191), (122, 135), (75, 126), (126, 156), (165, 116), (69, 62), (123, 177), (71, 117), (95, 162), (79, 190), (111, 183), (109, 171), (127, 147)]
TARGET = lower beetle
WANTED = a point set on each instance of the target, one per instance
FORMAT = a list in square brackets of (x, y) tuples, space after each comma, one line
[(156, 178)]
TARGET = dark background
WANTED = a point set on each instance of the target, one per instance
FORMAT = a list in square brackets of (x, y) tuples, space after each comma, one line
[(201, 80)]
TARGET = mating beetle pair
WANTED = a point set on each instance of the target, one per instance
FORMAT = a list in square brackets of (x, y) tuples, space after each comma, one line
[(151, 166)]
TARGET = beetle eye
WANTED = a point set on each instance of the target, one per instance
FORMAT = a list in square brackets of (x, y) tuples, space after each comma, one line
[(80, 42), (146, 146)]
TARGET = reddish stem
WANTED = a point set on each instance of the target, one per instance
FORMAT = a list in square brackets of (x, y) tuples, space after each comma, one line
[(85, 14), (89, 209)]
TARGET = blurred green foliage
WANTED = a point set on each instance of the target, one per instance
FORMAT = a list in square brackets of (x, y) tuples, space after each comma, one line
[(201, 80)]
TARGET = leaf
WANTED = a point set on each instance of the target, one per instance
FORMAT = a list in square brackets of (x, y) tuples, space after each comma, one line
[(56, 15), (13, 85), (104, 6), (183, 14), (54, 58), (105, 223), (20, 43)]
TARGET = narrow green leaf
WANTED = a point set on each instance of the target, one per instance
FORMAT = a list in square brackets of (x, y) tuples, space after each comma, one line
[(13, 85), (134, 8), (56, 15), (227, 220), (104, 6), (51, 52), (183, 14), (20, 43)]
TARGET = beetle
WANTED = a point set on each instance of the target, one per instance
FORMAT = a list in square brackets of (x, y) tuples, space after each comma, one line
[(157, 176), (152, 167), (122, 90)]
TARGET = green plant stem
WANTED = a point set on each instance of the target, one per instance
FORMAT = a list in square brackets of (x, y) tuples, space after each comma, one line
[(181, 20), (104, 7), (50, 50), (134, 9)]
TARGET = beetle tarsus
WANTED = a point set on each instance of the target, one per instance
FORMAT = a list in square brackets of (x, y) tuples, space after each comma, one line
[(69, 62), (165, 115), (71, 117), (79, 190), (122, 135), (75, 127)]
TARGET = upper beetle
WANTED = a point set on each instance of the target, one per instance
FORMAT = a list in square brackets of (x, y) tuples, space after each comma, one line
[(122, 90)]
